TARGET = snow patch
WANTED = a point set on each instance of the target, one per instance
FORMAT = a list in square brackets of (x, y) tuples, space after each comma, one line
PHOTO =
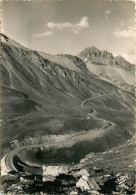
[(85, 60)]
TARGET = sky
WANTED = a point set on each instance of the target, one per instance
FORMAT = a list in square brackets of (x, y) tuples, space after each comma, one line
[(69, 26)]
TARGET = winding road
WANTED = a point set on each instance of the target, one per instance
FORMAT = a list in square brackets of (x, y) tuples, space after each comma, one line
[(84, 136), (88, 99), (91, 134), (93, 112)]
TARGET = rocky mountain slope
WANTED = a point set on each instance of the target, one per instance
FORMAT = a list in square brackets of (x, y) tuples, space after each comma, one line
[(46, 94), (115, 70), (54, 106)]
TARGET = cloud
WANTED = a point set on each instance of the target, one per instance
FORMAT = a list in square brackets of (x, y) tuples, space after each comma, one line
[(44, 34), (126, 33), (75, 31), (59, 25), (107, 12), (82, 24)]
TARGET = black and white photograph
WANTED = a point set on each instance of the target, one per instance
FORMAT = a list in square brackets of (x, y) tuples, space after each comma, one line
[(67, 97)]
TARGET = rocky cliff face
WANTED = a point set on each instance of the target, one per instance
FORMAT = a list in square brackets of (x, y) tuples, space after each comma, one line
[(115, 70), (101, 57)]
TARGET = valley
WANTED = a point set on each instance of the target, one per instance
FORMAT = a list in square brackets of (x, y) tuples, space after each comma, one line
[(66, 111)]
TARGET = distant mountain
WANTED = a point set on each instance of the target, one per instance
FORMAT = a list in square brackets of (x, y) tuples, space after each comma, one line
[(59, 94), (115, 70), (97, 56)]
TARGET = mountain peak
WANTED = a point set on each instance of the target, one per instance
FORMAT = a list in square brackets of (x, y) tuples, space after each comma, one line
[(93, 52), (90, 50)]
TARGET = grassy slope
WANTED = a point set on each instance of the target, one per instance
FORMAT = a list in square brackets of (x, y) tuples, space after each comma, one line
[(43, 93)]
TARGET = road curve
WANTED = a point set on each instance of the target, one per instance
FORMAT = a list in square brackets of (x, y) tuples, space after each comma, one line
[(89, 135), (9, 158), (88, 99), (109, 123)]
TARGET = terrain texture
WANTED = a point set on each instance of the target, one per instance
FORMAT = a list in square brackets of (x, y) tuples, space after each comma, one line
[(70, 114)]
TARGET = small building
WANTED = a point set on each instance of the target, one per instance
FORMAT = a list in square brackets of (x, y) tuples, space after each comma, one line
[(14, 144)]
